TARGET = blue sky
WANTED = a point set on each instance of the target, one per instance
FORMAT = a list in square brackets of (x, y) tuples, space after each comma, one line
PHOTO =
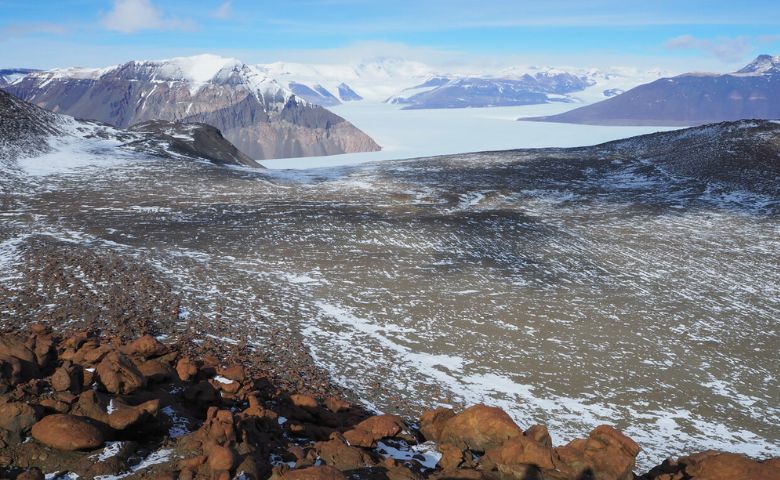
[(676, 35)]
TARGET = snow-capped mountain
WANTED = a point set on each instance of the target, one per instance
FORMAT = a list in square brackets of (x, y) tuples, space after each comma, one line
[(11, 75), (752, 92), (257, 113)]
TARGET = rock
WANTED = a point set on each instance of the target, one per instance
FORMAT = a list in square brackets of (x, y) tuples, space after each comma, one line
[(339, 454), (612, 454), (17, 417), (20, 358), (336, 405), (303, 401), (233, 372), (67, 378), (369, 431), (479, 428), (201, 393), (451, 457), (31, 474), (432, 422), (155, 371), (146, 347), (119, 375), (221, 458), (186, 369), (712, 465), (96, 406), (325, 472), (520, 450), (540, 435), (67, 432)]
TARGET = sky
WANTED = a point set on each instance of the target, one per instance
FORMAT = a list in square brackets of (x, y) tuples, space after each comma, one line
[(677, 36)]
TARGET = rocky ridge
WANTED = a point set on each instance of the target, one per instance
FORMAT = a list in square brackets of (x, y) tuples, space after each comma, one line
[(106, 406)]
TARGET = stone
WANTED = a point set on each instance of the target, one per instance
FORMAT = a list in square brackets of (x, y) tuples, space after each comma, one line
[(520, 450), (31, 474), (67, 432), (233, 372), (17, 417), (479, 428), (338, 454), (118, 375), (155, 371), (612, 454), (432, 422), (369, 431), (67, 378), (221, 458), (325, 472), (186, 369), (540, 435), (146, 346), (711, 465), (303, 401)]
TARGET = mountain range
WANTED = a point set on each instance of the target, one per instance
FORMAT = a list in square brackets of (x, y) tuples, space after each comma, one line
[(261, 117), (752, 92)]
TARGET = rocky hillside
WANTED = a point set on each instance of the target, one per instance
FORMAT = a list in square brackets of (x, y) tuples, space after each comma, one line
[(259, 116), (690, 99), (85, 405), (27, 130)]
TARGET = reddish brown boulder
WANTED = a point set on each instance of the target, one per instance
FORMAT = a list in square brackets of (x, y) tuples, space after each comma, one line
[(337, 453), (119, 375), (451, 457), (155, 371), (20, 362), (303, 401), (221, 459), (325, 472), (31, 474), (17, 417), (146, 347), (613, 454), (67, 378), (233, 372), (480, 428), (67, 432), (518, 451), (711, 465), (369, 431), (540, 435), (336, 405), (432, 422), (186, 369)]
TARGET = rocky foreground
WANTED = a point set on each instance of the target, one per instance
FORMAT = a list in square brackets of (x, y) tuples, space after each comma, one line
[(86, 405)]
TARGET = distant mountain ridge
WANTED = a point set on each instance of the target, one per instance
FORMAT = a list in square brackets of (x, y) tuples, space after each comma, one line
[(255, 112), (752, 92)]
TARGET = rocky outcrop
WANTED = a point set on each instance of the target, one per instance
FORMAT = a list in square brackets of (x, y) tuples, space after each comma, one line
[(255, 113), (217, 418)]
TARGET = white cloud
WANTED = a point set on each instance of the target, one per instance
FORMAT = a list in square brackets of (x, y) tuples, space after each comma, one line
[(129, 16), (224, 11), (726, 49)]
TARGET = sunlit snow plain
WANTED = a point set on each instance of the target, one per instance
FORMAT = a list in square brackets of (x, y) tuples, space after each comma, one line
[(423, 133)]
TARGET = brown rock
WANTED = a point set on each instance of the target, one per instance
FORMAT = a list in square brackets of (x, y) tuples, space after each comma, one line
[(336, 405), (518, 451), (155, 371), (369, 431), (540, 435), (451, 457), (233, 372), (612, 454), (712, 465), (221, 458), (186, 369), (67, 378), (67, 432), (325, 472), (119, 375), (17, 417), (146, 347), (480, 428), (303, 401), (338, 454), (432, 422), (31, 474), (57, 406)]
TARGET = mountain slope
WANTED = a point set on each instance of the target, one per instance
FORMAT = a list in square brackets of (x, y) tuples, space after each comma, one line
[(253, 111), (28, 131), (690, 99)]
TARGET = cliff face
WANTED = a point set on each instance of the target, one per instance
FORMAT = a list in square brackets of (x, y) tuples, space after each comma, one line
[(262, 118)]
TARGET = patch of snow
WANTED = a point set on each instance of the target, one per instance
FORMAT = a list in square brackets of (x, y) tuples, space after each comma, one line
[(425, 453)]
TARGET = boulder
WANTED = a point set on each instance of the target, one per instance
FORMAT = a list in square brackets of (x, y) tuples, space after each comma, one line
[(186, 369), (712, 465), (17, 417), (155, 371), (67, 378), (337, 453), (479, 428), (233, 372), (540, 435), (369, 431), (221, 458), (432, 422), (67, 432), (303, 401), (31, 474), (146, 347), (520, 450), (118, 375), (612, 454)]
